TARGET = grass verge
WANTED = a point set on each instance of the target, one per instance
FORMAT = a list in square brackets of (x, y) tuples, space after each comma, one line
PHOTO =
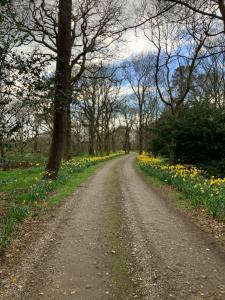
[(66, 190), (171, 193), (199, 214), (198, 188), (24, 193)]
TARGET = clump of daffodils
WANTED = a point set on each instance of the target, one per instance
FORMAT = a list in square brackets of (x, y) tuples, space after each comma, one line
[(40, 188), (209, 192)]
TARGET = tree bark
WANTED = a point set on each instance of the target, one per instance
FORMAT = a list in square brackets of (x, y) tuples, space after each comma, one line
[(91, 146), (106, 139), (222, 11), (113, 142), (140, 129), (127, 141), (62, 88), (35, 140), (99, 143), (68, 143), (2, 150), (173, 143)]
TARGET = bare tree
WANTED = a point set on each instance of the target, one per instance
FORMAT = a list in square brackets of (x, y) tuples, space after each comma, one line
[(176, 48), (90, 106), (129, 118), (62, 87), (88, 29), (209, 82), (98, 100), (138, 73), (210, 8)]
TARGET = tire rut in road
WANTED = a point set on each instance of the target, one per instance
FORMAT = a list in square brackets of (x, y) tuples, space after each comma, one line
[(117, 239), (178, 260), (85, 256)]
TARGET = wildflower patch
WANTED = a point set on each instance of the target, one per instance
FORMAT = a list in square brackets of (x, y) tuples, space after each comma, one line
[(191, 181)]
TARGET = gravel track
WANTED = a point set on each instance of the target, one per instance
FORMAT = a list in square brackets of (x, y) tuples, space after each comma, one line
[(116, 238)]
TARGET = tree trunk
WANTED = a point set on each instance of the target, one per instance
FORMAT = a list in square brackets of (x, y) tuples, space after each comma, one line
[(113, 142), (106, 142), (35, 140), (172, 149), (21, 150), (127, 141), (91, 146), (68, 143), (173, 143), (222, 11), (62, 88), (140, 130), (107, 138), (99, 143), (2, 150)]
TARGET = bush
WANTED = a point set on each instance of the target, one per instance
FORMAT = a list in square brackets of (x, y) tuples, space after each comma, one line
[(199, 135)]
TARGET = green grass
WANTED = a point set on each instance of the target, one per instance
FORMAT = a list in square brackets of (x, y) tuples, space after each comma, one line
[(15, 215), (24, 192), (29, 156), (18, 180)]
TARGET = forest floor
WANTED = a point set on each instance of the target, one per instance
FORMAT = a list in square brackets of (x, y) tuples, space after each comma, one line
[(118, 237)]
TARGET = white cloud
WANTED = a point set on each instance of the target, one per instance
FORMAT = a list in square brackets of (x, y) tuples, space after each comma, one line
[(134, 43)]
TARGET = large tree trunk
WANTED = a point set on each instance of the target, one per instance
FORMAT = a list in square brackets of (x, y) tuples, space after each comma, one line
[(62, 88)]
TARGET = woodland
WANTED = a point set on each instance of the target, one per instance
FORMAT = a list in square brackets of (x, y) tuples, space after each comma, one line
[(67, 90), (136, 84)]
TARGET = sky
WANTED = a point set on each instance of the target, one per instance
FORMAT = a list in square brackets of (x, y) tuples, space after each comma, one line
[(135, 44), (134, 40)]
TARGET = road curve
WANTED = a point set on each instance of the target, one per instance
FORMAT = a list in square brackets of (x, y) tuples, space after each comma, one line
[(116, 238)]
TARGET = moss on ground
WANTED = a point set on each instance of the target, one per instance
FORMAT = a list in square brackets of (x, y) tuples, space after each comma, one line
[(117, 242)]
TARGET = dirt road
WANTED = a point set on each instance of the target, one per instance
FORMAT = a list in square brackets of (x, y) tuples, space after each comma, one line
[(117, 239)]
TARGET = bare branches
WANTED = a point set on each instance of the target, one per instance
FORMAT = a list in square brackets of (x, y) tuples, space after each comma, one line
[(177, 47), (98, 102), (201, 9), (209, 9), (138, 72), (37, 20)]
